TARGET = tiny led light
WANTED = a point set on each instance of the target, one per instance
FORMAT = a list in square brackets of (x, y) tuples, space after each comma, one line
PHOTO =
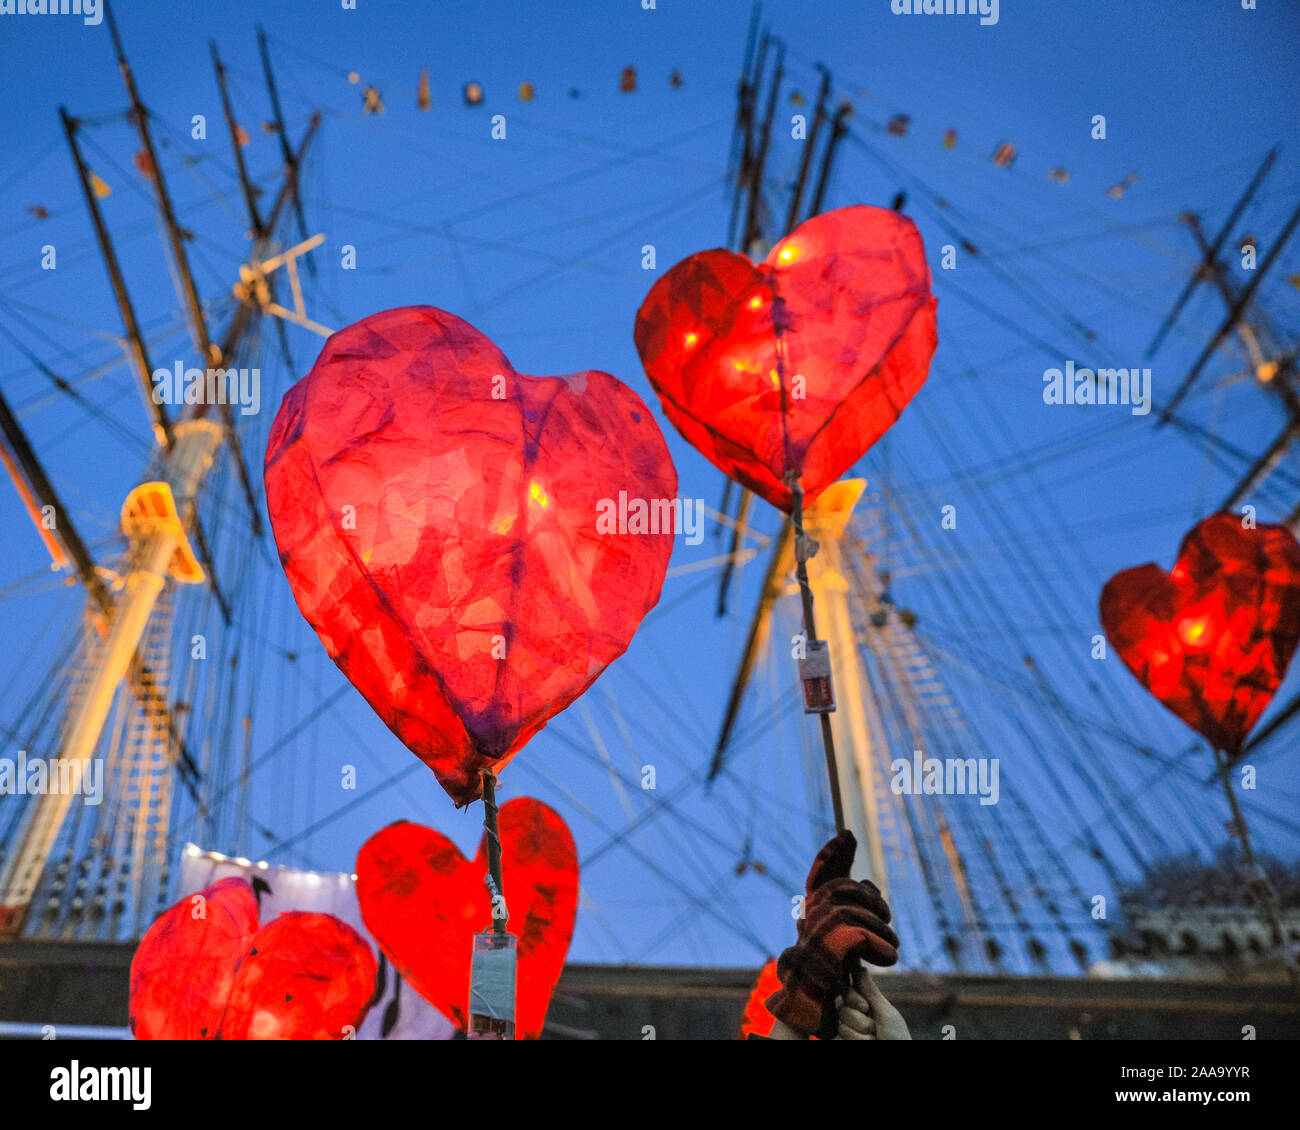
[(692, 338), (755, 302), (788, 254), (538, 495), (1192, 631)]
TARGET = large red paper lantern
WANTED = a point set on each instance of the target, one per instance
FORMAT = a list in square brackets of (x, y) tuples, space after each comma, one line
[(184, 968), (437, 518), (1211, 639), (423, 902), (304, 977), (205, 971), (801, 362)]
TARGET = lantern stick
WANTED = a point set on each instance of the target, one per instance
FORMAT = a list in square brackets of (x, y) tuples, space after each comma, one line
[(1260, 887), (801, 556), (803, 549), (493, 877)]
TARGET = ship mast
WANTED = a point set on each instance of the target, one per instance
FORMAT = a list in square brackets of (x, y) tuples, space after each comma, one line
[(158, 516), (846, 733)]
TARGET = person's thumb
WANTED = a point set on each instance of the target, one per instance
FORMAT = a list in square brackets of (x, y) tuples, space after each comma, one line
[(869, 989), (833, 861)]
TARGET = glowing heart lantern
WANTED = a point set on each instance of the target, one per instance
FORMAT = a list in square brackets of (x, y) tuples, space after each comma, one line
[(183, 971), (1211, 639), (205, 971), (423, 902), (437, 516), (756, 1020), (797, 364)]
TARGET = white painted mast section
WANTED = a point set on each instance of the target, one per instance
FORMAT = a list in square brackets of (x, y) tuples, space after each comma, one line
[(155, 546), (826, 521)]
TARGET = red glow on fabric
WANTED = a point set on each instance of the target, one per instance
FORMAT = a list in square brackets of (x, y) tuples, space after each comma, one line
[(756, 1018), (436, 516), (205, 971), (1212, 638), (843, 302), (423, 902)]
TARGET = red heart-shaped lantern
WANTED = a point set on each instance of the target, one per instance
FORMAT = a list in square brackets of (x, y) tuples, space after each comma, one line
[(756, 1020), (1212, 639), (801, 362), (204, 971), (423, 902), (438, 519), (304, 977), (184, 968)]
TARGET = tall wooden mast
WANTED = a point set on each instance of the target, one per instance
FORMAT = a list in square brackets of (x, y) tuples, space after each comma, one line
[(158, 518)]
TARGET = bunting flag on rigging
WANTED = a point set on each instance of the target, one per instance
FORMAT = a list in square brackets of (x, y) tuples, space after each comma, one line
[(438, 520), (473, 94), (423, 902), (100, 186), (1211, 639), (1004, 156), (627, 80), (797, 364), (423, 99), (950, 139), (1117, 190)]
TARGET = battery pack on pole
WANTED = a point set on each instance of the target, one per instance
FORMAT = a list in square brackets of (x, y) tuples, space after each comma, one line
[(815, 674)]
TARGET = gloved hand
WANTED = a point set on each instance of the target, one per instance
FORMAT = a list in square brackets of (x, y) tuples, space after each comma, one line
[(844, 920)]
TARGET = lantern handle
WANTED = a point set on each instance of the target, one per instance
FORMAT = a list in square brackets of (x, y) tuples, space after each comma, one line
[(801, 555), (493, 877)]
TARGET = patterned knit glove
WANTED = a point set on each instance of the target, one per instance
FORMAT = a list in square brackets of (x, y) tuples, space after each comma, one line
[(844, 920)]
